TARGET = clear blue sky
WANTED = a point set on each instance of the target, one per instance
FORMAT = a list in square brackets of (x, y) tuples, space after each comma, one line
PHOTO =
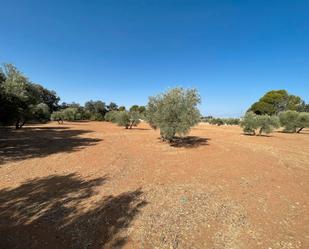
[(124, 51)]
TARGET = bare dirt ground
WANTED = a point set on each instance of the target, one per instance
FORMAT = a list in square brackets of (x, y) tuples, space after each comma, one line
[(96, 185)]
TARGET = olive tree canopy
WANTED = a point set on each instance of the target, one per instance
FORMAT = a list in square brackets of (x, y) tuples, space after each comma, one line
[(174, 112)]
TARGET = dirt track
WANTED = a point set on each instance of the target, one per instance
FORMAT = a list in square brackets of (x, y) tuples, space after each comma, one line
[(96, 185)]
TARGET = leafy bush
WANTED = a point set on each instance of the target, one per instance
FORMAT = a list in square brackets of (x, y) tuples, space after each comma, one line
[(69, 114), (221, 121), (249, 123), (22, 100), (232, 121), (302, 121), (57, 116), (127, 119), (96, 117), (110, 116), (173, 112), (216, 121), (288, 120), (94, 110), (41, 112), (293, 121), (265, 123)]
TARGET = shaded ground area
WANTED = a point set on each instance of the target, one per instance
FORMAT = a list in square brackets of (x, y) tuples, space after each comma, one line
[(50, 212), (40, 141), (97, 185), (189, 142)]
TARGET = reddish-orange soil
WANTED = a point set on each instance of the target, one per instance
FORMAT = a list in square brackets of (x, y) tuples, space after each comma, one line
[(97, 185)]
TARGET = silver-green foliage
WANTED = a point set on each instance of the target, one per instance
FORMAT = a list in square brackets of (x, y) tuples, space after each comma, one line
[(263, 123), (267, 124), (127, 119), (293, 121), (111, 116), (69, 114), (302, 121), (174, 112), (249, 123)]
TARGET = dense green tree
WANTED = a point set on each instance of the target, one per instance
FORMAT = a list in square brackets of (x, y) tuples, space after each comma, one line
[(96, 109), (22, 100), (121, 108), (47, 97), (71, 114), (303, 107), (216, 121), (57, 116), (276, 101), (41, 112), (174, 112), (134, 108), (142, 109), (139, 109), (112, 107)]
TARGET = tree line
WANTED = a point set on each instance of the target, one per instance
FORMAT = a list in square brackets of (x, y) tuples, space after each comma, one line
[(277, 108), (173, 112), (22, 101)]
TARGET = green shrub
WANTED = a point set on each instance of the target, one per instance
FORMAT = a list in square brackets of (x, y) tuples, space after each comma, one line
[(173, 112), (264, 123), (69, 114), (288, 120), (110, 116), (57, 116), (302, 121), (127, 119), (41, 112), (293, 121), (267, 124), (96, 117), (216, 121), (249, 123)]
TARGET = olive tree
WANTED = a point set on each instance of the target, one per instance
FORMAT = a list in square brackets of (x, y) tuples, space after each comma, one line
[(127, 119), (293, 121), (249, 123), (174, 112), (288, 120), (267, 124), (57, 116), (252, 122), (110, 116), (95, 110), (302, 121)]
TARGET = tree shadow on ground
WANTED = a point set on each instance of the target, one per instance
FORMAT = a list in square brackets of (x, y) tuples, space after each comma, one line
[(304, 131), (58, 212), (31, 142), (189, 142), (256, 135), (141, 129)]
